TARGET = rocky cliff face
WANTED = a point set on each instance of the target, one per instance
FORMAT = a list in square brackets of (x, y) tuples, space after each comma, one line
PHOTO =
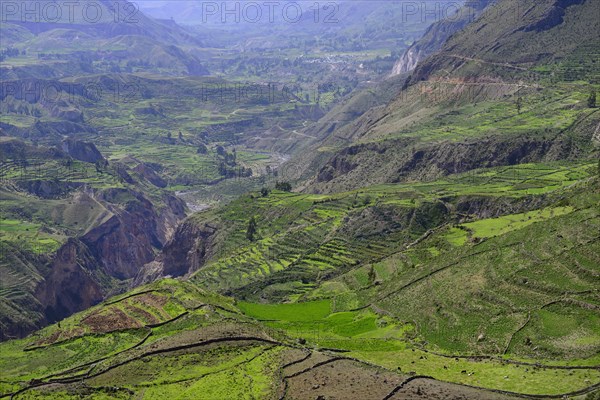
[(73, 282), (47, 189), (402, 160), (150, 175), (437, 34), (409, 59), (86, 269), (112, 233), (82, 151), (129, 238), (191, 244)]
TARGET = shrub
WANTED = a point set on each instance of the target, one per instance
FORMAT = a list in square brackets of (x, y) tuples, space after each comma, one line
[(283, 186)]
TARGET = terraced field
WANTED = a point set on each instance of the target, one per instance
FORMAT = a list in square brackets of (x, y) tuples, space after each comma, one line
[(303, 238), (501, 284), (172, 339), (333, 246), (503, 261), (383, 340), (163, 121)]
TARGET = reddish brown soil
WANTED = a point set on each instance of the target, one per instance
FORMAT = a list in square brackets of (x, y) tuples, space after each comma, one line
[(431, 389), (110, 320), (351, 380), (342, 379), (146, 317)]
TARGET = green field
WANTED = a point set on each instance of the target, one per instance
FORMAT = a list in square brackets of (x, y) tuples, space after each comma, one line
[(28, 236)]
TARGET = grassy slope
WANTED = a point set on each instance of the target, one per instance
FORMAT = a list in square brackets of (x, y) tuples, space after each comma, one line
[(534, 276), (533, 272), (302, 238), (514, 284), (154, 341), (513, 273)]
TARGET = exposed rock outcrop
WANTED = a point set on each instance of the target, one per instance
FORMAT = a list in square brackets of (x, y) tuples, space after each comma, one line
[(150, 175), (187, 251), (87, 269), (437, 34), (82, 151), (48, 189), (72, 283)]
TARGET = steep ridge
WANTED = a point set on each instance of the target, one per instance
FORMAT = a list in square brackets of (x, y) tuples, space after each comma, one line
[(437, 34), (513, 35)]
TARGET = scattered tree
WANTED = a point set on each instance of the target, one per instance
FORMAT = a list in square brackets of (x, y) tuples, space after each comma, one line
[(372, 275), (222, 169), (251, 231), (202, 149), (264, 192), (519, 104), (592, 99)]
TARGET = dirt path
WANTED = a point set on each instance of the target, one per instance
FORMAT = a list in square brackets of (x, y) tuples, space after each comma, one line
[(506, 65)]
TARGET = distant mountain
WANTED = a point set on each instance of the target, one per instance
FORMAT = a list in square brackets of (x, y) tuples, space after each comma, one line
[(105, 18), (362, 23), (106, 37)]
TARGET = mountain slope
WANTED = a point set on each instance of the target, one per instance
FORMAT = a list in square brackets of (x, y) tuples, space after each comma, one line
[(492, 84), (104, 36), (513, 36), (445, 245), (437, 34)]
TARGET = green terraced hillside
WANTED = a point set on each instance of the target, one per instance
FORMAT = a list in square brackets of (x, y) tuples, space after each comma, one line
[(262, 212)]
